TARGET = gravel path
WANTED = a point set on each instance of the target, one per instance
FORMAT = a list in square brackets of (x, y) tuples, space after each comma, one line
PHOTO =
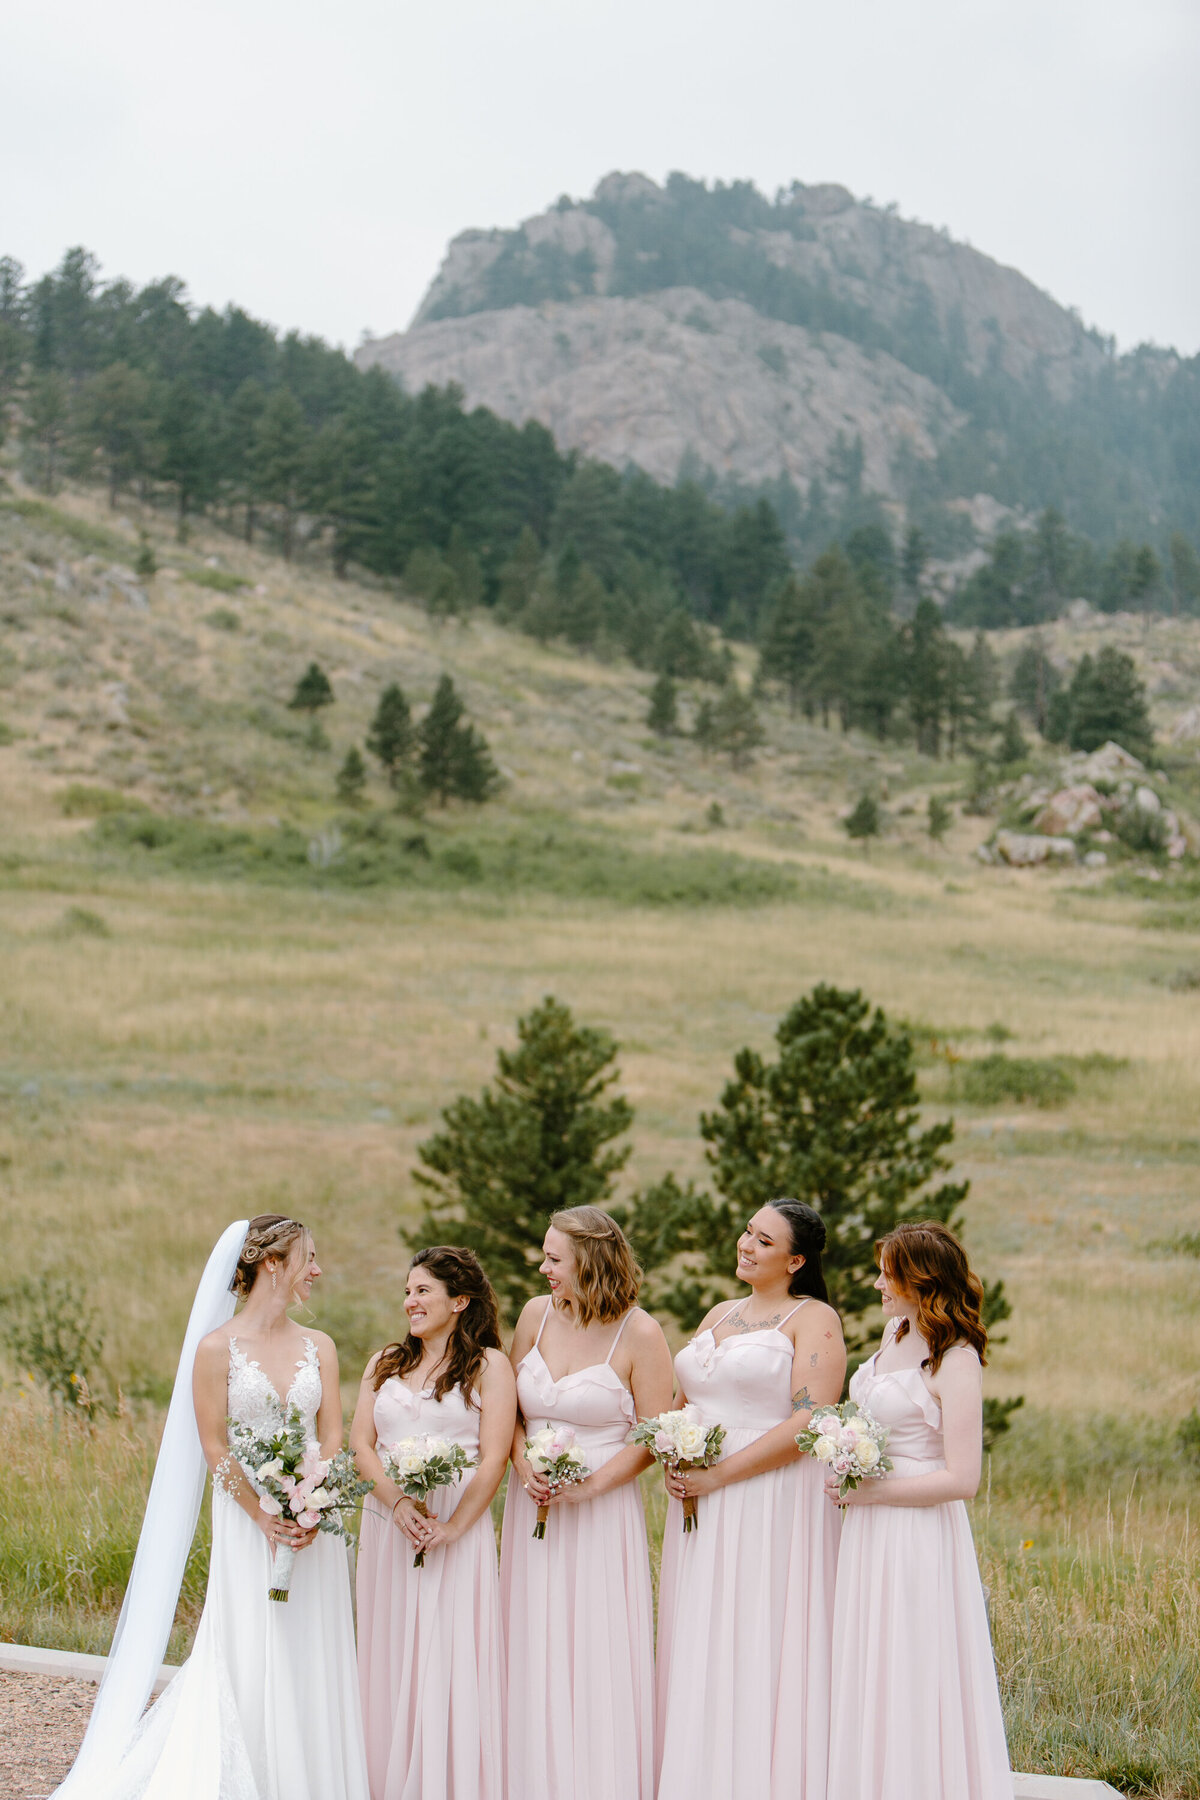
[(42, 1722)]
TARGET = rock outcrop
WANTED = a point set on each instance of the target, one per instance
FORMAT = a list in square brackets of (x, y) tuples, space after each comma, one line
[(654, 379), (639, 336)]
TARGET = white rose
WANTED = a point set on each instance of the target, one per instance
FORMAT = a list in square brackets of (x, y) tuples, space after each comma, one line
[(439, 1447), (692, 1440), (319, 1498), (411, 1463), (824, 1449), (868, 1454), (274, 1467)]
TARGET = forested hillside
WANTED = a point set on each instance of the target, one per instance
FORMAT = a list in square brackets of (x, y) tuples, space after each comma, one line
[(1020, 402), (217, 414)]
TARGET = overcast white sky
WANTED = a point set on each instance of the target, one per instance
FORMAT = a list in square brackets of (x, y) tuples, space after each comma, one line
[(311, 161)]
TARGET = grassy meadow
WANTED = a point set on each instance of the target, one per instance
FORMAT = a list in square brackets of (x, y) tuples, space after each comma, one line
[(198, 1023)]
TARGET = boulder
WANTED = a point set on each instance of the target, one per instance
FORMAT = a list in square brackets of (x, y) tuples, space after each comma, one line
[(1109, 763), (1147, 800), (1070, 811), (1095, 859), (1025, 850)]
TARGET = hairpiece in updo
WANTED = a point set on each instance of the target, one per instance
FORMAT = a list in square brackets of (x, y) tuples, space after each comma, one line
[(271, 1234)]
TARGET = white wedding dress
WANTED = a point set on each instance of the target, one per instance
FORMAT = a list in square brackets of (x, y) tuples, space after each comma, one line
[(267, 1706)]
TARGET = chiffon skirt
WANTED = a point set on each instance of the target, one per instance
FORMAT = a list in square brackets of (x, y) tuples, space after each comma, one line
[(916, 1707), (266, 1707), (429, 1660), (578, 1618), (745, 1627)]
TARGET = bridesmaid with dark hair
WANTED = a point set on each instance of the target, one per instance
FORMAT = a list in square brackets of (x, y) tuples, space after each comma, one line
[(916, 1707), (745, 1611), (429, 1647)]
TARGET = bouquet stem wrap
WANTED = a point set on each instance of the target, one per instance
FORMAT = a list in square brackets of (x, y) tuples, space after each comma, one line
[(543, 1513), (689, 1513), (283, 1563), (419, 1558)]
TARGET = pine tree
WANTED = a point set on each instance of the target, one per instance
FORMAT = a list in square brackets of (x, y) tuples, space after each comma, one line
[(1012, 747), (834, 1121), (1107, 699), (392, 736), (1034, 682), (940, 818), (312, 691), (455, 762), (736, 726), (863, 823), (534, 1142), (663, 716), (352, 778)]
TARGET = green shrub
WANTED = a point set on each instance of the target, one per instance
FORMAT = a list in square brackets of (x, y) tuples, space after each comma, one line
[(223, 580), (78, 921), (50, 1332), (993, 1080), (381, 850), (221, 618), (79, 801)]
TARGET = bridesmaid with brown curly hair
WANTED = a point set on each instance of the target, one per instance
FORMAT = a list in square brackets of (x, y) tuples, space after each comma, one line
[(429, 1653), (916, 1708)]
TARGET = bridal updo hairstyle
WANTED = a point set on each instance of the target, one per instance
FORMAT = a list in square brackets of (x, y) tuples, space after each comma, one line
[(926, 1263), (607, 1279), (476, 1328), (808, 1240), (271, 1234)]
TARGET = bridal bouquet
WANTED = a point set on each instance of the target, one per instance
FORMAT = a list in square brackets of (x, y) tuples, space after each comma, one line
[(678, 1440), (293, 1480), (848, 1441), (418, 1465), (554, 1452)]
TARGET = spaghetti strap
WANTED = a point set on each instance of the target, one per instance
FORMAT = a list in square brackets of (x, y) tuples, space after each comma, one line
[(617, 1339), (793, 1312), (545, 1315)]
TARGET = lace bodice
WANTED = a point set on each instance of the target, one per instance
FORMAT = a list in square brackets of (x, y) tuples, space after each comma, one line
[(254, 1402)]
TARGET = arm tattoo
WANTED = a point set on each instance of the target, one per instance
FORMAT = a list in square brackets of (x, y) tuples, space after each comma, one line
[(802, 1402), (813, 1360)]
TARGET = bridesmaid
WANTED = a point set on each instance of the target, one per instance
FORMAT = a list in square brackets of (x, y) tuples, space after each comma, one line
[(745, 1609), (429, 1653), (577, 1604), (916, 1709)]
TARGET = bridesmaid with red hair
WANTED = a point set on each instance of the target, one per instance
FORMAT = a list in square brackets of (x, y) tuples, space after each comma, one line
[(916, 1707)]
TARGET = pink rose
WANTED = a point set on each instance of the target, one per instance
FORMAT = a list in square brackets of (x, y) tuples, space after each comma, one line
[(663, 1443), (308, 1520), (269, 1505)]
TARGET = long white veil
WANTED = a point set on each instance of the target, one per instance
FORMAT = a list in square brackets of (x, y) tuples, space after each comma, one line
[(172, 1509)]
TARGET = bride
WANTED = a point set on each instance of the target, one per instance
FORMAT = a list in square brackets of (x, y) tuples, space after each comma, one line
[(266, 1707)]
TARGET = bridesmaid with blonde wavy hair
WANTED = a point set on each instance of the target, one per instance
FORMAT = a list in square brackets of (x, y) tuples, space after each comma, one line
[(578, 1613)]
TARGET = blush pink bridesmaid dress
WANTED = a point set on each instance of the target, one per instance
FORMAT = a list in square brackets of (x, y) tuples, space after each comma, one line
[(429, 1654), (916, 1707), (745, 1602), (578, 1610)]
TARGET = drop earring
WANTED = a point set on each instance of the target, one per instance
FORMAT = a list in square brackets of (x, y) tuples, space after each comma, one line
[(274, 1280)]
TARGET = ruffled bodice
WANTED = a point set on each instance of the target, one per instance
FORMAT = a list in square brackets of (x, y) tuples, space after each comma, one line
[(402, 1412), (253, 1400), (594, 1402), (899, 1399), (743, 1383)]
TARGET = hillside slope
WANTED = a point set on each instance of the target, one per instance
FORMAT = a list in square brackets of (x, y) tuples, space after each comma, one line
[(678, 325)]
